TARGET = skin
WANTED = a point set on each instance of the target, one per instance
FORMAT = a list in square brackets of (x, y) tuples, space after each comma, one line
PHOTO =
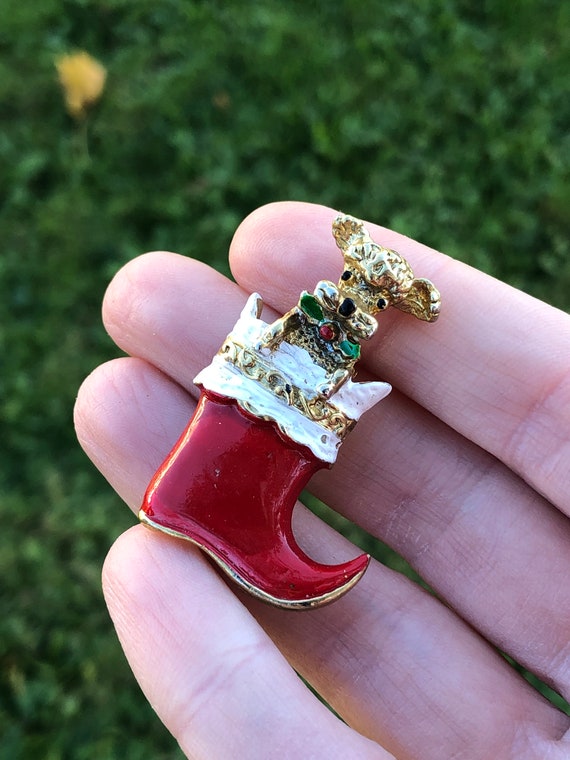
[(464, 469)]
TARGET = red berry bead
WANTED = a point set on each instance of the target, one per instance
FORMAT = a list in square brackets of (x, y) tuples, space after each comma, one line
[(327, 331)]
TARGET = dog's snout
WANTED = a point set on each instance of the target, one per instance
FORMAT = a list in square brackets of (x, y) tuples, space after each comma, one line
[(347, 307)]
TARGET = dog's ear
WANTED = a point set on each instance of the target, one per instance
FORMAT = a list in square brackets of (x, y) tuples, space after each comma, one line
[(349, 231), (422, 301)]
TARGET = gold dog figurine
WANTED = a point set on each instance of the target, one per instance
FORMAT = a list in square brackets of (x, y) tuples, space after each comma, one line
[(330, 322)]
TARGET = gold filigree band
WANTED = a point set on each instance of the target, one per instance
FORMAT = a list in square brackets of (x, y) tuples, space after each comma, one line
[(316, 408)]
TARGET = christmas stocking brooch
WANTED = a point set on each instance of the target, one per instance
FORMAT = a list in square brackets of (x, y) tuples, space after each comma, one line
[(276, 403)]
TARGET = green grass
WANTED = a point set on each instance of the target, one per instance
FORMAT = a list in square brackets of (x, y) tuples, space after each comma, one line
[(445, 120)]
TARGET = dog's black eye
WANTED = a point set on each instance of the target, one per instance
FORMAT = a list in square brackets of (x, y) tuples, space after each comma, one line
[(346, 275), (381, 303), (347, 307)]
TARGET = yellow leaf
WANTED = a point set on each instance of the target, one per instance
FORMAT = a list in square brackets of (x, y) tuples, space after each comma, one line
[(82, 78)]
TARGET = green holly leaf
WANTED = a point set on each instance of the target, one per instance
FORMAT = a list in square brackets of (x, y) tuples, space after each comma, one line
[(311, 307)]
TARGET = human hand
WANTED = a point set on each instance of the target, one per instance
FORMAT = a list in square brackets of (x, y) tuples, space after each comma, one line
[(464, 469)]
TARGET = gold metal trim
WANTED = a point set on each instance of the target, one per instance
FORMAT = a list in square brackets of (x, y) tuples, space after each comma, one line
[(305, 604), (317, 409)]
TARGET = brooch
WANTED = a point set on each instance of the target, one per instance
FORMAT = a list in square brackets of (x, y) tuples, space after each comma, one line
[(276, 403)]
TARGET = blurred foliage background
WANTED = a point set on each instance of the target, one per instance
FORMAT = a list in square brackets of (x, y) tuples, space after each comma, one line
[(447, 120)]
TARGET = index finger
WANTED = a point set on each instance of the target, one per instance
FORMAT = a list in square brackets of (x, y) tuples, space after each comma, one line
[(495, 367)]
